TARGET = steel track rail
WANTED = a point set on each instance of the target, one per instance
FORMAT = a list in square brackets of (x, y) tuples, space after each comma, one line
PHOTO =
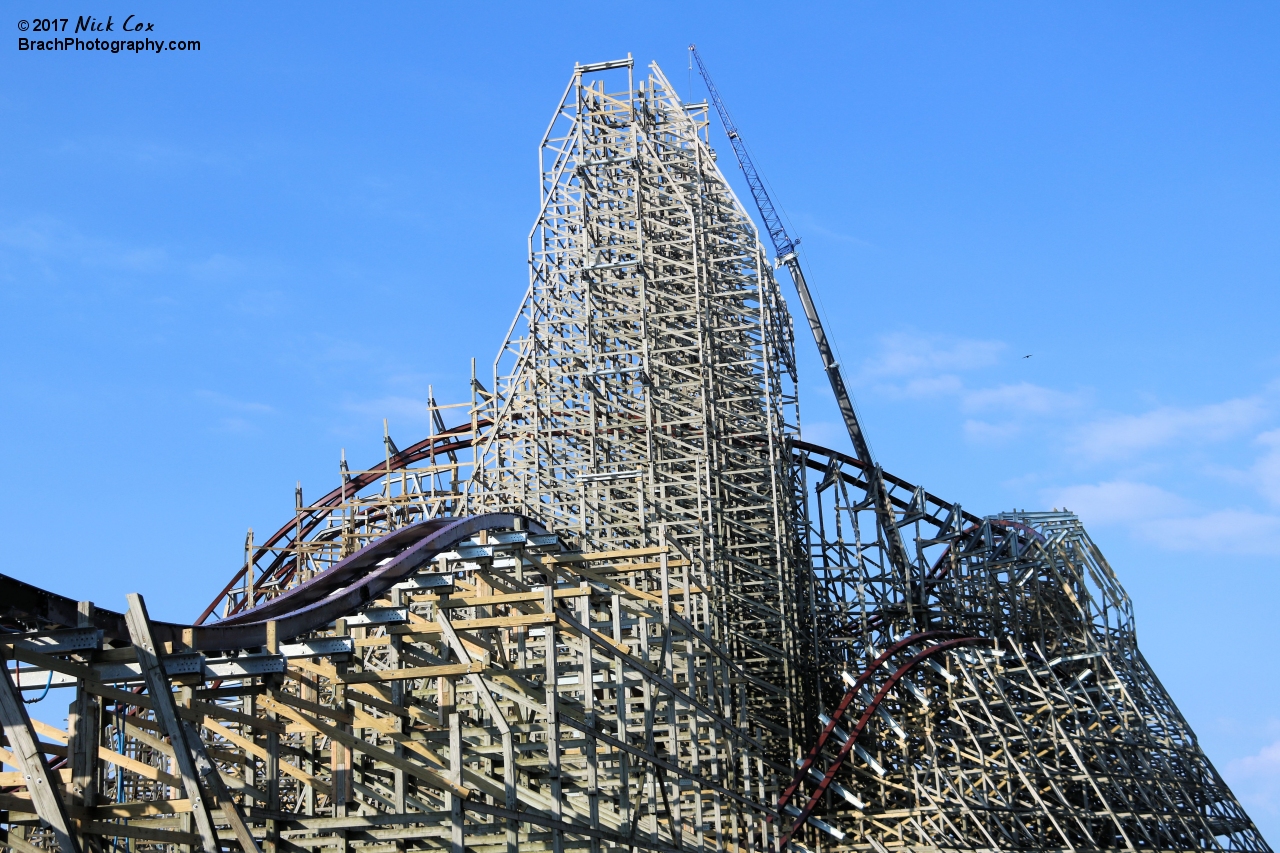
[(337, 592), (441, 444)]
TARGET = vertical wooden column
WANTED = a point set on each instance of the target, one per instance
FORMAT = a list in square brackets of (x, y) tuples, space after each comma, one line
[(399, 779), (46, 792), (674, 813), (499, 720), (272, 769), (589, 720), (84, 725), (455, 775), (553, 713), (340, 754), (449, 712), (308, 692), (620, 714)]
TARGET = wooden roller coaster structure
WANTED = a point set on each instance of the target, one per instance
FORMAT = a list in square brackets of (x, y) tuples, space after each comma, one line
[(625, 606)]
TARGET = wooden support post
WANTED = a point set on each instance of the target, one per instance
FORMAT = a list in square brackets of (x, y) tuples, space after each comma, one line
[(499, 720), (84, 724), (589, 720), (272, 768), (340, 754), (188, 749), (620, 714), (46, 793), (553, 715), (477, 681), (455, 776), (399, 778)]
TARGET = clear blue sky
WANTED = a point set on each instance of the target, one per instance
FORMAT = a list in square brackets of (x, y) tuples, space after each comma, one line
[(217, 269)]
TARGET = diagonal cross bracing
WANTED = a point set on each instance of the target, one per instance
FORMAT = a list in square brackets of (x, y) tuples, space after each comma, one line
[(645, 391)]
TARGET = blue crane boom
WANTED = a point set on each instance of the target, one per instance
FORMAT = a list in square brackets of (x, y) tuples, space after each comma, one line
[(782, 243), (785, 249)]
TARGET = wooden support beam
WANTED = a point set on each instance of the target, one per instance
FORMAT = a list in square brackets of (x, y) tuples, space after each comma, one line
[(352, 742), (476, 680), (188, 749), (45, 788)]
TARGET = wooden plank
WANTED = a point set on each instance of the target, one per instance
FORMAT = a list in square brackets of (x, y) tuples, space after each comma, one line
[(594, 556), (144, 770), (20, 845), (312, 707), (476, 680), (421, 633), (213, 779), (141, 808), (257, 751), (45, 790), (349, 740), (451, 601), (209, 709), (167, 715), (14, 778), (142, 833), (379, 675)]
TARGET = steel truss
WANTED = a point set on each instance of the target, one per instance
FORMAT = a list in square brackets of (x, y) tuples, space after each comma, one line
[(623, 606)]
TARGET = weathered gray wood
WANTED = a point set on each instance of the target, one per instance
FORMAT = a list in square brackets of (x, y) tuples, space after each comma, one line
[(482, 689), (18, 843), (217, 788), (83, 724), (188, 750), (45, 790)]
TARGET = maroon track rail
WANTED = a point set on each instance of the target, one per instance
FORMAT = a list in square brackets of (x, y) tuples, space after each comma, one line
[(848, 698), (441, 444), (848, 745)]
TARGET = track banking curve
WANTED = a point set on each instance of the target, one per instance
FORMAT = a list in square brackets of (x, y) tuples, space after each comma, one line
[(345, 588), (441, 444)]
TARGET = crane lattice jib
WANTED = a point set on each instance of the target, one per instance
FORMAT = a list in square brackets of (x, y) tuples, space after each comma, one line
[(782, 243)]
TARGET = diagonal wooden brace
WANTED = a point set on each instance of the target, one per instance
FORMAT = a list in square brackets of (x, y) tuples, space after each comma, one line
[(188, 750), (475, 678), (46, 792)]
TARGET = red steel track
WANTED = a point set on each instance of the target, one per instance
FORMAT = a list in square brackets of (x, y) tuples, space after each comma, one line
[(441, 444), (847, 746)]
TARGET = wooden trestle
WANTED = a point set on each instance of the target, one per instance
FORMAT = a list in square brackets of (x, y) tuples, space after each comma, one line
[(509, 696)]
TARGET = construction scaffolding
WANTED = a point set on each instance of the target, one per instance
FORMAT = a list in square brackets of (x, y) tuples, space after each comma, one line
[(621, 605)]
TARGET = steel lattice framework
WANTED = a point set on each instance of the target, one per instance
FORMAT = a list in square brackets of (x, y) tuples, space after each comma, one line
[(624, 606)]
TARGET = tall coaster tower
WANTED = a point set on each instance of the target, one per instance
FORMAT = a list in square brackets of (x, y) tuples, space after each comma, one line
[(645, 394), (624, 606)]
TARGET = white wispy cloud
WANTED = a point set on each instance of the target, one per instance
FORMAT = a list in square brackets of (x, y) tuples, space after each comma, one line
[(1117, 437), (983, 432), (53, 241), (1117, 502), (1255, 779), (1224, 531), (409, 412), (907, 354), (1168, 520), (1021, 398), (1266, 470)]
